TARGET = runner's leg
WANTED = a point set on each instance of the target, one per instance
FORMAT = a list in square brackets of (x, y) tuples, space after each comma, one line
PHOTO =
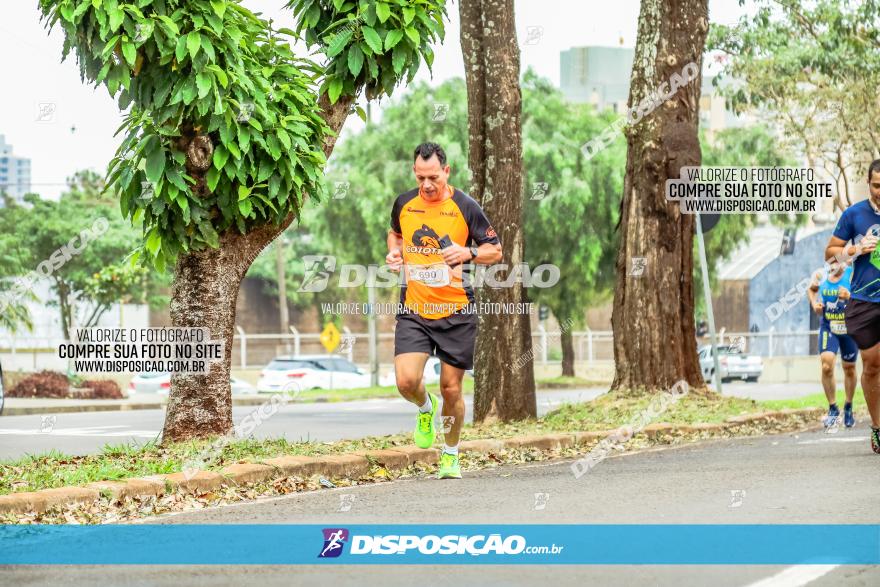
[(409, 369), (849, 380), (453, 402), (827, 360), (871, 382)]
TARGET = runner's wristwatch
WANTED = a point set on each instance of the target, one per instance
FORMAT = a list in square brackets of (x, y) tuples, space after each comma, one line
[(474, 252)]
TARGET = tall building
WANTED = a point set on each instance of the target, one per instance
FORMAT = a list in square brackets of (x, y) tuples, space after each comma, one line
[(601, 75), (15, 172)]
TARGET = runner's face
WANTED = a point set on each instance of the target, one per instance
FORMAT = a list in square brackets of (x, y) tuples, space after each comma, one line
[(432, 176), (874, 186)]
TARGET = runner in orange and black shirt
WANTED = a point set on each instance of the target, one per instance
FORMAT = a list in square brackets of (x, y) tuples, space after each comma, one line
[(435, 230)]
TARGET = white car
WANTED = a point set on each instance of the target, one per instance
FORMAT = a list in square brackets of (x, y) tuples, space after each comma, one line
[(160, 383), (431, 373), (295, 373), (733, 362)]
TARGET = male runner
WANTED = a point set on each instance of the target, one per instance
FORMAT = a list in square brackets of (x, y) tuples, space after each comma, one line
[(433, 230), (828, 299), (860, 223)]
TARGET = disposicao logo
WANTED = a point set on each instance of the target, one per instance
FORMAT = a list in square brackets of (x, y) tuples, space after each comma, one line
[(334, 540)]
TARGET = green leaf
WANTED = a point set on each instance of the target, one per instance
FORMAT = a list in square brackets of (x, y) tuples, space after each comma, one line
[(212, 178), (154, 242), (284, 138), (408, 14), (243, 192), (413, 35), (129, 52), (209, 234), (221, 156), (183, 202), (355, 60), (180, 49), (155, 163), (170, 24), (245, 207), (267, 166), (392, 38), (220, 75), (372, 38), (383, 11), (338, 42), (398, 58), (219, 7), (193, 43), (176, 179), (116, 17), (334, 89), (203, 81)]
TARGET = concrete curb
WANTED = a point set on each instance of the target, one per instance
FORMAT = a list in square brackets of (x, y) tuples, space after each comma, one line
[(341, 465)]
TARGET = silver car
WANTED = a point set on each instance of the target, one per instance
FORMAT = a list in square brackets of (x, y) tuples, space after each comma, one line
[(161, 383), (734, 364)]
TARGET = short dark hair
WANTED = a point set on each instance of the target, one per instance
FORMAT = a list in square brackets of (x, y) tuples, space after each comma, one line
[(426, 150), (874, 167)]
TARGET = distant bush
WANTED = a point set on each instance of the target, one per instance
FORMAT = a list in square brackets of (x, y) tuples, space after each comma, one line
[(42, 384), (101, 389)]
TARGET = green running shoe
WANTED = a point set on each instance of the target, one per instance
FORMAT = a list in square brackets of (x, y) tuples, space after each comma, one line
[(426, 430), (449, 467)]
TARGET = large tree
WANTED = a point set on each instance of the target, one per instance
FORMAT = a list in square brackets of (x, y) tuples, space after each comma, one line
[(812, 69), (653, 315), (227, 133), (503, 389)]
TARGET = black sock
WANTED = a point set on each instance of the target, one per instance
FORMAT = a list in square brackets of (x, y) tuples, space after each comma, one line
[(847, 406), (833, 406)]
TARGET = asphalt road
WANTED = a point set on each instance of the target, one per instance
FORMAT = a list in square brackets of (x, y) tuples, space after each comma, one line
[(786, 479), (79, 433), (86, 432)]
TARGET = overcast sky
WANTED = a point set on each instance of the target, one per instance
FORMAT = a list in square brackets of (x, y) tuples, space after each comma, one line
[(31, 73)]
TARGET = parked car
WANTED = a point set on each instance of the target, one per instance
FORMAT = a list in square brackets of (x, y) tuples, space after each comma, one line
[(161, 383), (2, 392), (431, 373), (311, 372), (733, 362)]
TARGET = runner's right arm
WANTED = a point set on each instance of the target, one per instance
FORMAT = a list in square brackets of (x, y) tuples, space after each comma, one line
[(812, 292), (394, 259)]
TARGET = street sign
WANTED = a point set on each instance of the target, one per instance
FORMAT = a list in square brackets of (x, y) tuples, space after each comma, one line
[(330, 337)]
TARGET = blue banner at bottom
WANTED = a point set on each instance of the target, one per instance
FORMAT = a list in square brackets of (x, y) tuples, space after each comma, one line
[(249, 544)]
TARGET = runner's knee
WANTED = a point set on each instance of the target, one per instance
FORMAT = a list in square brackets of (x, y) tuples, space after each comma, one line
[(827, 369), (871, 368), (408, 383), (450, 390), (849, 368)]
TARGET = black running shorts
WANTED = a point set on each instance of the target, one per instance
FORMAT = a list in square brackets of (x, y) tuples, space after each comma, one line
[(863, 322), (450, 338)]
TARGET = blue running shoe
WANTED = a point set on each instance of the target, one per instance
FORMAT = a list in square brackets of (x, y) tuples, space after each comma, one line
[(831, 419), (848, 419)]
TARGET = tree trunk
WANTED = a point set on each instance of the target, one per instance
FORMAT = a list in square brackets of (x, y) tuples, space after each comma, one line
[(567, 353), (203, 294), (653, 316), (505, 381)]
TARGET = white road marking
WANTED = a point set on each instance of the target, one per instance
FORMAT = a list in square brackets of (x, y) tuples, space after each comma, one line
[(795, 576), (100, 431), (838, 439)]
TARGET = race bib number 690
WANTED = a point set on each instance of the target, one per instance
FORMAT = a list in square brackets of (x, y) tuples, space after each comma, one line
[(431, 275)]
